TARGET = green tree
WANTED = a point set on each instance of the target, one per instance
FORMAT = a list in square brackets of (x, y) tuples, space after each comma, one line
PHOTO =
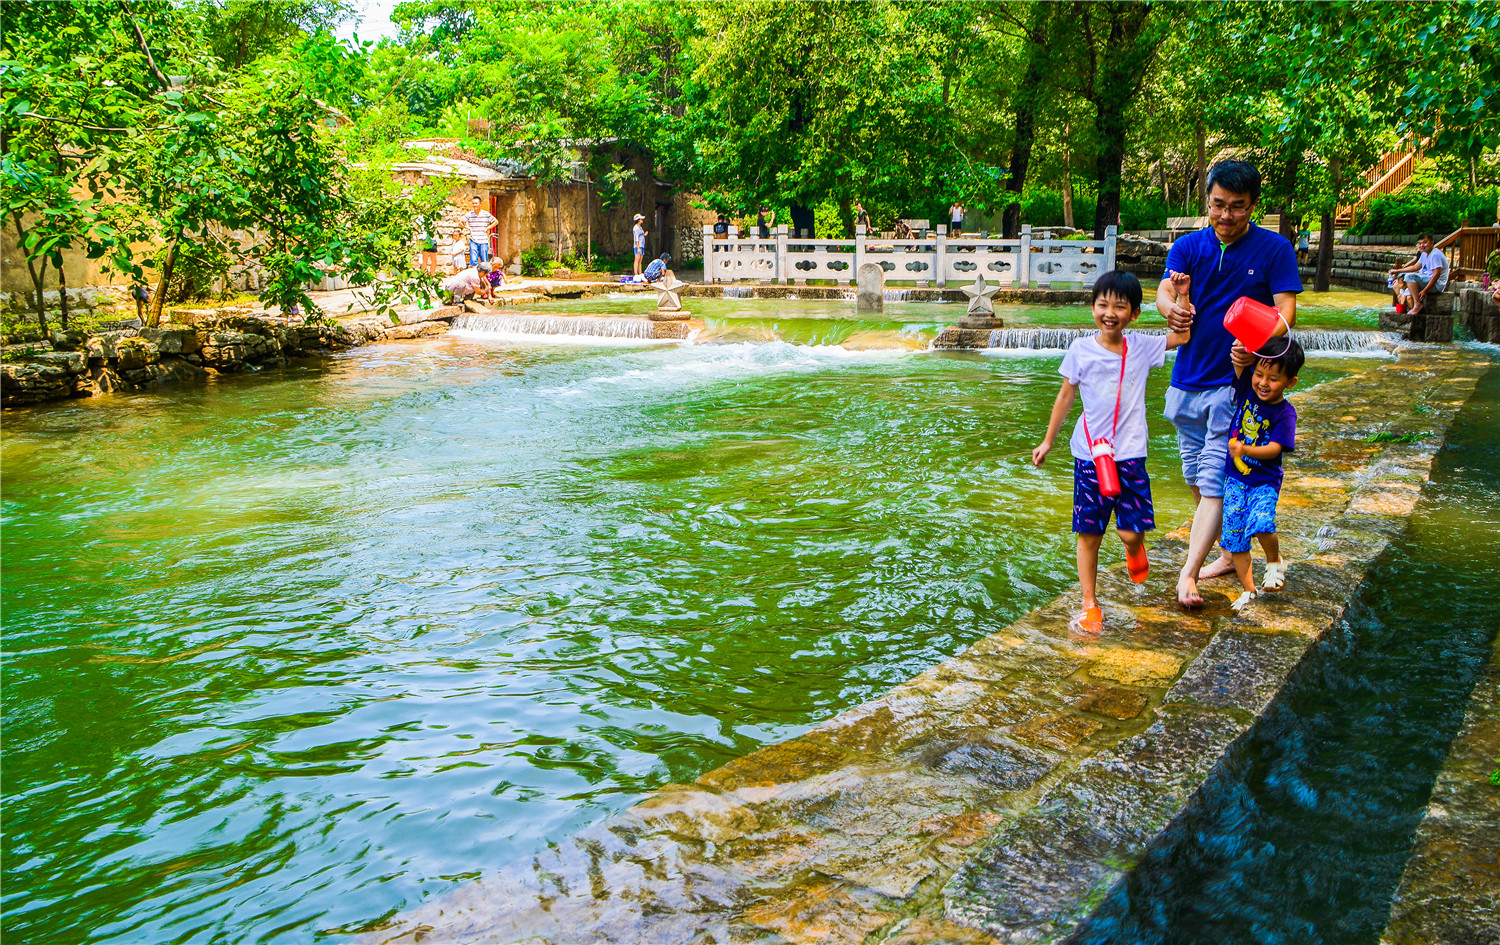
[(241, 31), (93, 107)]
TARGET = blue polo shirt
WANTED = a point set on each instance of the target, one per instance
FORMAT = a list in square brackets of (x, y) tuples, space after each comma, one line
[(1259, 264)]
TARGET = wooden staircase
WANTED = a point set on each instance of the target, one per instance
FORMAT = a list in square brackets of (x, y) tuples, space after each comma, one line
[(1392, 173)]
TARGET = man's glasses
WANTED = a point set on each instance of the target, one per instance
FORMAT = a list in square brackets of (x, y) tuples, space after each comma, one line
[(1223, 210)]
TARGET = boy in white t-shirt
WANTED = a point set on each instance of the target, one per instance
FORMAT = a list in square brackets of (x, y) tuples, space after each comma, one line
[(1110, 368), (1428, 273)]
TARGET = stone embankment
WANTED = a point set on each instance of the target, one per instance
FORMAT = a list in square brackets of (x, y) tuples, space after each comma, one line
[(1000, 795), (199, 345)]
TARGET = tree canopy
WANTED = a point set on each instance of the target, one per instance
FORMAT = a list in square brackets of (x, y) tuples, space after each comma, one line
[(132, 121)]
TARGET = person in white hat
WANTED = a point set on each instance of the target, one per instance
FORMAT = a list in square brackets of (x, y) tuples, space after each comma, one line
[(638, 241)]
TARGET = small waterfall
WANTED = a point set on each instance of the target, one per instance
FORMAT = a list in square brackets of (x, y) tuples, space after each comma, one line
[(576, 326), (1038, 339), (739, 292), (895, 295), (1347, 342), (1354, 342)]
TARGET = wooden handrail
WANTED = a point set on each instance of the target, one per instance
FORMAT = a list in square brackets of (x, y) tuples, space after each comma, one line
[(1393, 171), (1448, 240)]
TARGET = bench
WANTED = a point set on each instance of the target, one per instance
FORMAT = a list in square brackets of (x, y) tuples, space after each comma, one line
[(1186, 223)]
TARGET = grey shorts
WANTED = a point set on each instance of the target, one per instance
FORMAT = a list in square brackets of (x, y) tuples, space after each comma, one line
[(1203, 419)]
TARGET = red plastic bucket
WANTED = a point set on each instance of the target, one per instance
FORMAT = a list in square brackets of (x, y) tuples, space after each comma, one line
[(1251, 322)]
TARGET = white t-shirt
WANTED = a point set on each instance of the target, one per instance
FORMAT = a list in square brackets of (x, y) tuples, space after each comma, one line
[(479, 225), (470, 280), (1096, 372), (1428, 263)]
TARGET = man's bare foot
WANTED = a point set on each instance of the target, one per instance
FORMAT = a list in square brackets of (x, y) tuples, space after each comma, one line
[(1187, 592), (1225, 565)]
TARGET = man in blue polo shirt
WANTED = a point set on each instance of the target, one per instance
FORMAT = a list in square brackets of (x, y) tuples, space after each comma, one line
[(1206, 272)]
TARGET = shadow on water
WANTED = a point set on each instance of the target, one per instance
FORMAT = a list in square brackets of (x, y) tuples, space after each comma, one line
[(1302, 834)]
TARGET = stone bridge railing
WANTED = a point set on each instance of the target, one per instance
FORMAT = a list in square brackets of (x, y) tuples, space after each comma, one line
[(1031, 261)]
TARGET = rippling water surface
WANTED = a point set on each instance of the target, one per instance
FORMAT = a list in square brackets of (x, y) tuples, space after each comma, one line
[(292, 652)]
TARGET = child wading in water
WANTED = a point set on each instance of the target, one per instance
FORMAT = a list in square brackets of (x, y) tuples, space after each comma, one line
[(1265, 427), (1110, 369)]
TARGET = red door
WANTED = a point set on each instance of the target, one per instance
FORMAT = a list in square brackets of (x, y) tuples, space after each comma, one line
[(495, 236)]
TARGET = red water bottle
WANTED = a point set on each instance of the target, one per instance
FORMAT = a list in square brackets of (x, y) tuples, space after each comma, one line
[(1102, 450), (1104, 466)]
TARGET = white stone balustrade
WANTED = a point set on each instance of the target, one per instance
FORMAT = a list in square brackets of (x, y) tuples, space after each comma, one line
[(1032, 261)]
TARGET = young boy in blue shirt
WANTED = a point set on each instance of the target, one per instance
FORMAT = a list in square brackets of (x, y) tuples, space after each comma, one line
[(1109, 369), (1264, 430)]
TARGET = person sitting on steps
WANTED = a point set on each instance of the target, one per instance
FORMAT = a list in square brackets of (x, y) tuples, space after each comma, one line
[(1427, 274)]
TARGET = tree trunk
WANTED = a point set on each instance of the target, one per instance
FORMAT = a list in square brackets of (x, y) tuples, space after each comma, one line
[(1123, 62), (1166, 191), (62, 293), (38, 278), (1202, 139), (803, 221), (1067, 175), (557, 219), (1325, 232), (1110, 160), (1026, 103), (1290, 224), (153, 318), (1325, 253), (846, 215)]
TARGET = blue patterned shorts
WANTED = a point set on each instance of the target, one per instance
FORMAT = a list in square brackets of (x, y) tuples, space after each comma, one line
[(1132, 507), (1247, 512)]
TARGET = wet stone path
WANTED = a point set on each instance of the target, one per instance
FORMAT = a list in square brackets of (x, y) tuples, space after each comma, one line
[(997, 796)]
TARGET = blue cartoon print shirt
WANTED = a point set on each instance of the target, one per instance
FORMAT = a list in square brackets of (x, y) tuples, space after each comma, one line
[(1258, 423)]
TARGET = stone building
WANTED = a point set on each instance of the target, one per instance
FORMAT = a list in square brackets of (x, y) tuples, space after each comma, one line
[(528, 216), (531, 215)]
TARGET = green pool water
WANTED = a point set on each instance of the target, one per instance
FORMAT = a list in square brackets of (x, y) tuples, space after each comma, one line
[(294, 651)]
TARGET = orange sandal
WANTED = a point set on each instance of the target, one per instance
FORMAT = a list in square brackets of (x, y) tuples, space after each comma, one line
[(1138, 563), (1090, 621)]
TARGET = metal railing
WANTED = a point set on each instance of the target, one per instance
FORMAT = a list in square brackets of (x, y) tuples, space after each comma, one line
[(785, 259)]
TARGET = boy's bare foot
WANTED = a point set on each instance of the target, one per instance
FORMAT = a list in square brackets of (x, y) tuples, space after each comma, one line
[(1187, 592), (1090, 619), (1225, 565)]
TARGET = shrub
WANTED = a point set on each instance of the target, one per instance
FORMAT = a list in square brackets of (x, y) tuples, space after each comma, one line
[(1434, 211), (1045, 208), (1144, 213), (197, 273), (537, 261)]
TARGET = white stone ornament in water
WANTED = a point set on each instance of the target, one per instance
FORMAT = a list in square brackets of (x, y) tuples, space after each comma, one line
[(980, 296), (668, 300)]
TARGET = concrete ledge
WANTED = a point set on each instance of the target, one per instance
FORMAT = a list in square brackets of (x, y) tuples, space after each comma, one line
[(998, 795)]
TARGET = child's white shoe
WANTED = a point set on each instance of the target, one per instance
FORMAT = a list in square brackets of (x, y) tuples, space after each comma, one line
[(1243, 601), (1275, 578)]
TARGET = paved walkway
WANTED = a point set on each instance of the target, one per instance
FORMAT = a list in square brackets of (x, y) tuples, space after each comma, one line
[(997, 796)]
